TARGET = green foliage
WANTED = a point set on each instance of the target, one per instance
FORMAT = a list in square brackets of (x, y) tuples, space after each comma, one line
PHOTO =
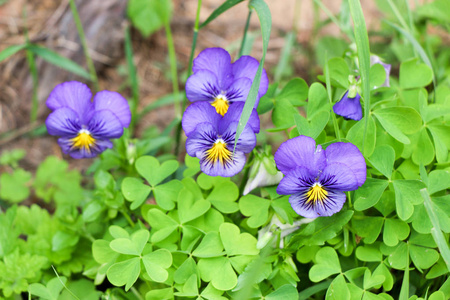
[(149, 16)]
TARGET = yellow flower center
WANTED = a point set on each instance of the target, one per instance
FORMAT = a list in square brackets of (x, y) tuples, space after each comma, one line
[(316, 192), (84, 140), (218, 152), (221, 104)]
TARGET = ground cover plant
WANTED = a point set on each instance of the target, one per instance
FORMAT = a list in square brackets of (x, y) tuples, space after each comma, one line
[(264, 185)]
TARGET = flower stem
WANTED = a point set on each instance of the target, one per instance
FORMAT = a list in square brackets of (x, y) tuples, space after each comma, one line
[(330, 98), (127, 216), (173, 67), (132, 75), (89, 62), (244, 37)]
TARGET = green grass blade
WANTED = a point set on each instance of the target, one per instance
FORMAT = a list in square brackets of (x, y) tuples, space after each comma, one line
[(265, 19), (244, 38), (132, 76), (330, 98), (11, 50), (289, 41), (334, 19), (436, 231), (362, 46), (404, 291), (59, 61), (221, 9), (163, 101)]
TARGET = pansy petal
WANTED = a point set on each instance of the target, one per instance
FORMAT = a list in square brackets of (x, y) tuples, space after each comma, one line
[(105, 125), (349, 108), (72, 94), (246, 141), (349, 155), (63, 122), (234, 114), (246, 66), (218, 61), (78, 153), (199, 112), (238, 90), (298, 180), (300, 151), (202, 86), (227, 169), (301, 207), (201, 139), (331, 205), (338, 177), (114, 102)]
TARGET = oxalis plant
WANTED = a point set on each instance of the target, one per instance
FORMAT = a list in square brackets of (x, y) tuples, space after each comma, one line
[(352, 203)]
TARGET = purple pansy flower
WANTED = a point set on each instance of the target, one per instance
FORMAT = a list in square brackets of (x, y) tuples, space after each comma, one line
[(315, 178), (85, 128), (210, 137), (222, 83), (349, 108)]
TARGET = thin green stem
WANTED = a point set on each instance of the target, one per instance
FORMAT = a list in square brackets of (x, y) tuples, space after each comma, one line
[(244, 37), (246, 172), (330, 98), (89, 62), (173, 68), (136, 293), (189, 72), (127, 216), (132, 75)]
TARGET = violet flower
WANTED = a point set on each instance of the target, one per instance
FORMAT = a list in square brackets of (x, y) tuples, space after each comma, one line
[(85, 128), (348, 107), (222, 83), (315, 178), (210, 137)]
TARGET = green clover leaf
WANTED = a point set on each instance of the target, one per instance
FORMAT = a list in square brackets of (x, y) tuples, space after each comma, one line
[(327, 264)]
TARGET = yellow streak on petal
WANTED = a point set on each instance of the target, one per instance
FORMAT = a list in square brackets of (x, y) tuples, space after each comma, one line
[(316, 193), (218, 152), (221, 104), (83, 140)]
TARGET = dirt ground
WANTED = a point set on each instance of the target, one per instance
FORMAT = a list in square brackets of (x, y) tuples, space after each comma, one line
[(50, 24)]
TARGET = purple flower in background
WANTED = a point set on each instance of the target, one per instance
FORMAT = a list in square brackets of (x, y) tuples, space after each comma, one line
[(85, 128), (349, 108), (374, 59), (315, 178), (222, 83), (210, 137)]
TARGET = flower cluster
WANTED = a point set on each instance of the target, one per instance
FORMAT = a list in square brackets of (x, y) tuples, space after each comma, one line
[(315, 178), (85, 128), (218, 90)]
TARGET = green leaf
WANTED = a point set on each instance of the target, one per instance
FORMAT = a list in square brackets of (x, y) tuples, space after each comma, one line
[(314, 127), (223, 197), (327, 264), (135, 190), (407, 194), (219, 271), (338, 289), (368, 228), (59, 61), (185, 270), (295, 91), (365, 143), (193, 166), (368, 253), (160, 294), (236, 243), (51, 291), (384, 271), (285, 292), (13, 187), (118, 232), (221, 9), (394, 231), (414, 75), (324, 228), (435, 10), (189, 209), (133, 246), (102, 253), (148, 15), (377, 76), (63, 239), (162, 225), (149, 168), (265, 19), (317, 100), (166, 194), (11, 50), (372, 280), (439, 180), (423, 152), (156, 263), (423, 258), (383, 160), (210, 246), (339, 72), (125, 272), (256, 208), (369, 193), (398, 121)]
